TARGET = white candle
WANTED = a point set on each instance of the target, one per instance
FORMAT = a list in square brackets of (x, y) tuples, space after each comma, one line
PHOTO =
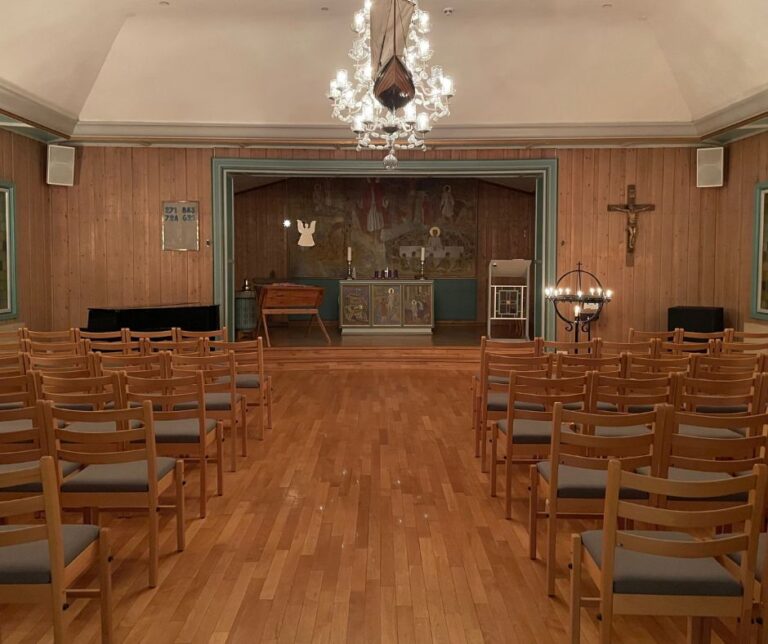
[(422, 253), (349, 253)]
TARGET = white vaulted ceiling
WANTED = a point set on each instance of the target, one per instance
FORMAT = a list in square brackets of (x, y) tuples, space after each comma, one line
[(251, 69)]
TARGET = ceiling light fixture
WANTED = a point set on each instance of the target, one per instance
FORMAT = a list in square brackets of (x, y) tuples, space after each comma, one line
[(393, 96)]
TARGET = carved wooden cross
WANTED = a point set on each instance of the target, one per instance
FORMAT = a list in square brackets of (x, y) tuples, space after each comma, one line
[(631, 209)]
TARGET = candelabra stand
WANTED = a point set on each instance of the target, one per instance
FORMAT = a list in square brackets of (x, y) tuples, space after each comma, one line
[(349, 269), (421, 272)]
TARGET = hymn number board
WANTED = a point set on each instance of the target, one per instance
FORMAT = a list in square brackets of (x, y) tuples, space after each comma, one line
[(181, 225)]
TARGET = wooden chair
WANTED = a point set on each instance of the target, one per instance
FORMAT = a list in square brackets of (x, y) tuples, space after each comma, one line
[(12, 336), (219, 335), (744, 347), (126, 347), (611, 393), (251, 380), (153, 365), (17, 391), (105, 336), (636, 366), (186, 434), (494, 380), (572, 482), (152, 336), (663, 336), (121, 468), (22, 444), (568, 365), (68, 335), (41, 563), (727, 366), (699, 336), (648, 348), (686, 348), (76, 348), (527, 428), (710, 396), (69, 366), (13, 365), (670, 571), (11, 347), (92, 393), (222, 401), (181, 347), (732, 335), (589, 347)]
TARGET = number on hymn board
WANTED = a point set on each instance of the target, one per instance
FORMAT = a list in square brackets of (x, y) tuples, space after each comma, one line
[(181, 225)]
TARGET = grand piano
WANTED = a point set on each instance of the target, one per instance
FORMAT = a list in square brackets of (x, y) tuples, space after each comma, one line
[(193, 317)]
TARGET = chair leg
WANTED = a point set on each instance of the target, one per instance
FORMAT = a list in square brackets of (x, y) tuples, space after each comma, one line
[(575, 608), (203, 482), (508, 483), (233, 447), (244, 426), (269, 402), (57, 603), (153, 544), (484, 445), (494, 456), (699, 631), (105, 587), (219, 458), (533, 512), (551, 550), (606, 620), (180, 528)]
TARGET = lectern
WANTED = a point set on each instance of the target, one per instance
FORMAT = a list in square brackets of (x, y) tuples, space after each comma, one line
[(509, 294)]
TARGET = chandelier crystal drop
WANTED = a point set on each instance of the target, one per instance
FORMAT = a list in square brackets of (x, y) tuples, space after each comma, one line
[(354, 99)]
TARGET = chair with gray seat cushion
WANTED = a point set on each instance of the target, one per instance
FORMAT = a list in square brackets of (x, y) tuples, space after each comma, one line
[(39, 563), (183, 426), (222, 400), (681, 568), (725, 397), (120, 469), (572, 483), (524, 435)]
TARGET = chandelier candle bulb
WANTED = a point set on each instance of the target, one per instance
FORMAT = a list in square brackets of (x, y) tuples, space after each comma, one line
[(422, 122), (359, 22), (447, 86), (576, 311), (357, 124), (409, 113), (342, 78), (423, 22)]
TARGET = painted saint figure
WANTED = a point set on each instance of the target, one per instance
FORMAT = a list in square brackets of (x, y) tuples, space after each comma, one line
[(447, 203)]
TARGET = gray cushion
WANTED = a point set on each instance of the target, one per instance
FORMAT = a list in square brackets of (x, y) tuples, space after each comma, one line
[(606, 406), (96, 427), (11, 405), (722, 409), (67, 468), (118, 477), (762, 548), (642, 574), (244, 380), (582, 483), (708, 432), (531, 432), (215, 401), (497, 401), (614, 432), (29, 563), (10, 426), (185, 430), (694, 476), (499, 380)]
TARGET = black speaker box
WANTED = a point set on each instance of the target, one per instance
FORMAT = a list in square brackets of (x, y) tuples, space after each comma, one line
[(702, 319)]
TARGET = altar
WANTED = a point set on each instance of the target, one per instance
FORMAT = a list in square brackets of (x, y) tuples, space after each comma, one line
[(386, 306)]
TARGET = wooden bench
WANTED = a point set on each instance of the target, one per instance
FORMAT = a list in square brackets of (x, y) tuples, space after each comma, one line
[(291, 299)]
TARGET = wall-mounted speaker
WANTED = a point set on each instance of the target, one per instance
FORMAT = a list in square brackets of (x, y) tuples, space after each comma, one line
[(710, 164), (61, 165)]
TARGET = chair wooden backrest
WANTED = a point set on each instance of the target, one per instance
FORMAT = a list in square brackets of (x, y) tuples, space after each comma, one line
[(528, 347), (218, 335), (97, 392), (576, 365), (648, 348), (166, 335), (134, 347), (64, 366), (728, 348), (13, 364), (643, 367), (686, 348), (664, 336), (219, 371), (165, 394), (249, 356), (587, 449), (543, 393), (695, 394), (106, 336), (725, 366), (695, 451), (153, 365), (133, 441), (700, 336), (68, 335), (193, 347), (25, 444), (628, 394), (705, 524), (16, 390), (732, 335), (10, 336), (76, 348), (589, 347)]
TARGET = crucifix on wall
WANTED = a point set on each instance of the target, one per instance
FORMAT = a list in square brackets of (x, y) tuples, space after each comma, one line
[(631, 209)]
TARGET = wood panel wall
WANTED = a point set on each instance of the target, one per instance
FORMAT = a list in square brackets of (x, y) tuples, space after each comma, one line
[(22, 161), (98, 243)]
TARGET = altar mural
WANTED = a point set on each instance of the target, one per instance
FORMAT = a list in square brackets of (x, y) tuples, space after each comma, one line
[(386, 222)]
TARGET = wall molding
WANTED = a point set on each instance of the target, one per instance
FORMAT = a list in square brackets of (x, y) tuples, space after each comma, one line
[(16, 103)]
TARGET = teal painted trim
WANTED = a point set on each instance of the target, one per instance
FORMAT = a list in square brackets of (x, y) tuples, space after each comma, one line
[(760, 190), (13, 311), (545, 170)]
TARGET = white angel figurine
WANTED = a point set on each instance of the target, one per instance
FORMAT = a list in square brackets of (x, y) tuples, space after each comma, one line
[(306, 231)]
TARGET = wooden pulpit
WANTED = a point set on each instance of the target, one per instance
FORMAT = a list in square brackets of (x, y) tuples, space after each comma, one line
[(291, 299)]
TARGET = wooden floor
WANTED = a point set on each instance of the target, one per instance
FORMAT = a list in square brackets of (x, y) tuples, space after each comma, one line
[(362, 517)]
